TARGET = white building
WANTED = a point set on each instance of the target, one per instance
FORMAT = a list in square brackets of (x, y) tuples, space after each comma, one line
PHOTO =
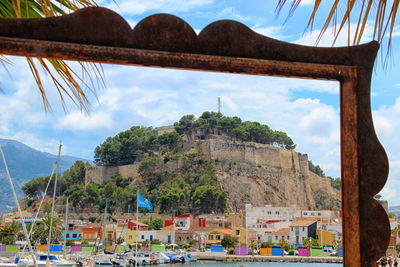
[(326, 215), (262, 217), (147, 235)]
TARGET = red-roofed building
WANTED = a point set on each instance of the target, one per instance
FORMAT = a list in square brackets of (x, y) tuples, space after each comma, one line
[(132, 225)]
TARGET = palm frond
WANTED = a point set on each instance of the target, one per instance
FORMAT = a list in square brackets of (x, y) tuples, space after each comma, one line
[(66, 81), (384, 20)]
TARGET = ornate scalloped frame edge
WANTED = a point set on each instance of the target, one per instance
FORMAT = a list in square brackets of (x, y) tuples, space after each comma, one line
[(162, 40)]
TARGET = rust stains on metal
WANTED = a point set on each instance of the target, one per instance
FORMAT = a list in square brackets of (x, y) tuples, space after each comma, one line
[(100, 35)]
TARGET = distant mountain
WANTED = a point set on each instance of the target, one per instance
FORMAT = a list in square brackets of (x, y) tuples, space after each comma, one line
[(395, 210), (25, 163)]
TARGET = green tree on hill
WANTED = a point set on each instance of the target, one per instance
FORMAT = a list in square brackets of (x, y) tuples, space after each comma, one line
[(315, 169), (155, 224), (233, 126)]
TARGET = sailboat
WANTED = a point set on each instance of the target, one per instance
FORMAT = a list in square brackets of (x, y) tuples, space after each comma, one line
[(38, 259)]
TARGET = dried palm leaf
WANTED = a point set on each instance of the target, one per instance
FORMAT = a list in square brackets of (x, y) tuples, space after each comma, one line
[(384, 20), (67, 82)]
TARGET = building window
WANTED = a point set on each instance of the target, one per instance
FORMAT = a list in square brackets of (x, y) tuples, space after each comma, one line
[(210, 237), (287, 237), (187, 238), (180, 238), (304, 213), (277, 212), (142, 237), (319, 213), (269, 212), (67, 235), (73, 235), (130, 237), (237, 232), (217, 237), (276, 237), (303, 238), (303, 229), (312, 213)]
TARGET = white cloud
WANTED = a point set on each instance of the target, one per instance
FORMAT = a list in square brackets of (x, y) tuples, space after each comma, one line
[(78, 121), (383, 126), (306, 2), (275, 32), (388, 193), (310, 37), (135, 7)]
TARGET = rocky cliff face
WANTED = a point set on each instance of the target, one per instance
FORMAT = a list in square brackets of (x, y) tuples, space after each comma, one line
[(250, 173)]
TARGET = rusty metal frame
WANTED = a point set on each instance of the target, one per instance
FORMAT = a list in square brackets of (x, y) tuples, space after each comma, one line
[(100, 35)]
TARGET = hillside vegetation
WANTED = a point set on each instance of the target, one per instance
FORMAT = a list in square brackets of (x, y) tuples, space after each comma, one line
[(170, 179)]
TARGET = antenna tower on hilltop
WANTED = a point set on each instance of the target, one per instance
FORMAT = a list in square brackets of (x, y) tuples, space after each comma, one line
[(219, 105)]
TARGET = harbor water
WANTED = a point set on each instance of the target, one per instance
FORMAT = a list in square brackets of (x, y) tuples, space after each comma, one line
[(260, 264)]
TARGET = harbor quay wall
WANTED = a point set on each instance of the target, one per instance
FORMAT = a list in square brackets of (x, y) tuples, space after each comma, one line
[(257, 258)]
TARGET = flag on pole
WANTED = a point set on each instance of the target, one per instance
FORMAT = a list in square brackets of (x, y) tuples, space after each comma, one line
[(144, 203)]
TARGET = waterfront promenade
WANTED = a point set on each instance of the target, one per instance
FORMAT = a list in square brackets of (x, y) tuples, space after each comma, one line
[(257, 258)]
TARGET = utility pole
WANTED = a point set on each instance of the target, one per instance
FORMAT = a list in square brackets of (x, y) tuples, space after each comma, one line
[(66, 228), (219, 105), (173, 232)]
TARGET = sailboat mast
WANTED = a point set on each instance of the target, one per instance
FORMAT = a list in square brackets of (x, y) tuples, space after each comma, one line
[(19, 209), (54, 197), (66, 226), (137, 226), (105, 227)]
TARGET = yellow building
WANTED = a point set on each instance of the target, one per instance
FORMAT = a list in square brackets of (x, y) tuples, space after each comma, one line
[(130, 236), (241, 234), (325, 237), (215, 236)]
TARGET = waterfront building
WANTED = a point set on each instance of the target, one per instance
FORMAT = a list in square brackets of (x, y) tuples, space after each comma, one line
[(213, 221), (132, 225), (324, 216), (215, 236), (91, 234), (149, 235), (243, 234), (325, 238), (278, 235), (111, 235), (183, 237), (130, 236), (257, 217), (393, 222), (72, 235), (302, 229), (165, 236), (182, 222)]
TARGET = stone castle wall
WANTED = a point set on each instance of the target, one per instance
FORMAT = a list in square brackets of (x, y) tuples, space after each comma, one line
[(248, 172), (102, 174), (224, 148)]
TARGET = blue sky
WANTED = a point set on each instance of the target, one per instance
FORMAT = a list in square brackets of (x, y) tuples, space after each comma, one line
[(307, 110)]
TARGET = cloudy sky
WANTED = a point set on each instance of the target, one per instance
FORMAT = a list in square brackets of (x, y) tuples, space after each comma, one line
[(307, 110)]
